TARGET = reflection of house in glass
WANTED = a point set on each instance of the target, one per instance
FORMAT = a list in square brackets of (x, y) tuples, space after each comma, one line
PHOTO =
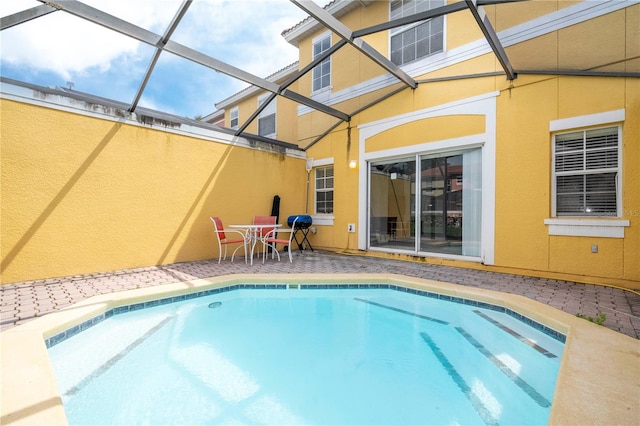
[(442, 199), (448, 206)]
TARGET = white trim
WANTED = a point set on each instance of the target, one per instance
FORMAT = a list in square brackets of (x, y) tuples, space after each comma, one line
[(322, 162), (271, 105), (582, 121), (320, 37), (604, 228), (484, 105), (336, 8), (562, 18), (71, 105), (446, 145), (399, 30), (325, 91), (549, 23), (323, 219), (472, 105), (235, 109)]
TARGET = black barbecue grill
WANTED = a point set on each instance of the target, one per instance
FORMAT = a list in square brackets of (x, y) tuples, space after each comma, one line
[(302, 227)]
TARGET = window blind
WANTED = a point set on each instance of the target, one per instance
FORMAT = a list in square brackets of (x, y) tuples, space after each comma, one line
[(586, 171)]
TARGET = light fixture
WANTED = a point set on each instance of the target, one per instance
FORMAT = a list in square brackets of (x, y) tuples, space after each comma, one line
[(353, 164)]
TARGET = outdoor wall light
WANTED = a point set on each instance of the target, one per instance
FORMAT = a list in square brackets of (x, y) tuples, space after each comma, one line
[(353, 164)]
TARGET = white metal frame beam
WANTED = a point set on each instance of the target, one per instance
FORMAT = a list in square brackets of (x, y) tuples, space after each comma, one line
[(324, 18), (492, 38), (111, 22), (292, 80), (154, 60), (329, 21), (26, 15), (410, 19)]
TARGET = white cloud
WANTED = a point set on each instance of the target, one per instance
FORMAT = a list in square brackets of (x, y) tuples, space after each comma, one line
[(245, 34), (64, 44), (242, 33)]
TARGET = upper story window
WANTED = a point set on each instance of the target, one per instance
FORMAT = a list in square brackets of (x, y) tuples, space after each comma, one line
[(586, 168), (234, 118), (415, 41), (267, 118), (324, 190), (321, 73)]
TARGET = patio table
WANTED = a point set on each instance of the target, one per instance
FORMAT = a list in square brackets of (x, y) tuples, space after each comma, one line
[(254, 232)]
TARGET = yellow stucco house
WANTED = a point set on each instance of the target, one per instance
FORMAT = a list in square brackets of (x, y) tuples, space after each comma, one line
[(507, 157), (503, 137)]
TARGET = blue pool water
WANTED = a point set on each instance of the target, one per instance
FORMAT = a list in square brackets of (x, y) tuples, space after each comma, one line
[(318, 357)]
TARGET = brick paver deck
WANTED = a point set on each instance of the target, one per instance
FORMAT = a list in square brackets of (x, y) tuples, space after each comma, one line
[(21, 302)]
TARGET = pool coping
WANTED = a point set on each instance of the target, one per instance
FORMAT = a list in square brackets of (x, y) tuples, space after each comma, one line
[(598, 381)]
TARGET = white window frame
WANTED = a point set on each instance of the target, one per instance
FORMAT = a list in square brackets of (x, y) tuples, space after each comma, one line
[(325, 189), (321, 219), (589, 226), (317, 40), (397, 31), (482, 105), (266, 113), (234, 115), (584, 171)]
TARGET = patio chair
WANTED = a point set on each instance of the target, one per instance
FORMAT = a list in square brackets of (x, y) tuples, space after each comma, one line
[(224, 241), (271, 239), (264, 220)]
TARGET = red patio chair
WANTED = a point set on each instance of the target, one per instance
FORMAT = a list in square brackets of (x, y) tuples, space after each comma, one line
[(271, 239), (264, 220), (224, 241)]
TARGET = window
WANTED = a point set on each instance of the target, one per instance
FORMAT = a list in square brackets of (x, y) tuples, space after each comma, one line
[(267, 118), (585, 172), (233, 118), (324, 190), (418, 40), (322, 72)]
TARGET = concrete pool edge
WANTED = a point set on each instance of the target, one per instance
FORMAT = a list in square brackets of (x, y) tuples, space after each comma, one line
[(598, 382)]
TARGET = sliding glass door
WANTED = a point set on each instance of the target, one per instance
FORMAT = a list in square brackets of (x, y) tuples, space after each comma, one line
[(441, 207), (392, 204), (440, 201)]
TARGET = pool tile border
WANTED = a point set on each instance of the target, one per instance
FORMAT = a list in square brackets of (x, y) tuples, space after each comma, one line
[(72, 331)]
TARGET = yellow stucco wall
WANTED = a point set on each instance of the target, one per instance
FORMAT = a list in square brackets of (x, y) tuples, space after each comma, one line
[(427, 130), (523, 172), (524, 110), (83, 194)]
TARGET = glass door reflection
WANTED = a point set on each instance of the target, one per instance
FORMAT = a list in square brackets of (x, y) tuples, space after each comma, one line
[(441, 205), (392, 204)]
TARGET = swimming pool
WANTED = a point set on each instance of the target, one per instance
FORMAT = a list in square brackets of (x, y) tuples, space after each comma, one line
[(251, 354), (597, 382)]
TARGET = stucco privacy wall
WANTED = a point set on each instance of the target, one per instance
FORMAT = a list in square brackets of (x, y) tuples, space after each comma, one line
[(84, 193)]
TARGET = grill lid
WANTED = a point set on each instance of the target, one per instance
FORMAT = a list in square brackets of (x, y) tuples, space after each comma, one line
[(304, 220)]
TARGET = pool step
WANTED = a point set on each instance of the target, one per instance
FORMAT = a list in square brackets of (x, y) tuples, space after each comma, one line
[(496, 372)]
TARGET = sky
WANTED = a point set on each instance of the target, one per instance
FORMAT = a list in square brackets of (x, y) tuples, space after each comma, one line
[(61, 50)]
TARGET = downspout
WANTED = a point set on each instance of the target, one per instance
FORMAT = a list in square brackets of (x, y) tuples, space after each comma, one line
[(308, 166)]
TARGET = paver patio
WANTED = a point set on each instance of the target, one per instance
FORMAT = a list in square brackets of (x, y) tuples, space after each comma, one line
[(21, 302)]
